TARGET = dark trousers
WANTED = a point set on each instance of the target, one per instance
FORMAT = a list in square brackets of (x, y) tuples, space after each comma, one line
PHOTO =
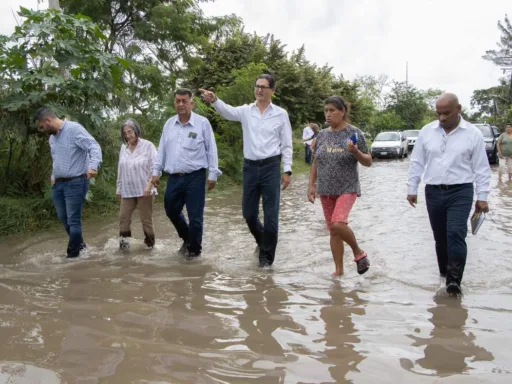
[(448, 211), (307, 152), (187, 190), (68, 198), (262, 180)]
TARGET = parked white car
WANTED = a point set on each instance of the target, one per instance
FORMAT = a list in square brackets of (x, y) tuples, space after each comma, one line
[(411, 136), (390, 144)]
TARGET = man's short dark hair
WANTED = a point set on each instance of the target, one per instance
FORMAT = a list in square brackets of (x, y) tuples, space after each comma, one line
[(506, 125), (271, 80), (183, 92), (43, 113)]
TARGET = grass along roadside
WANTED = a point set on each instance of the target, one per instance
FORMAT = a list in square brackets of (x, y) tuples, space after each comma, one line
[(30, 214)]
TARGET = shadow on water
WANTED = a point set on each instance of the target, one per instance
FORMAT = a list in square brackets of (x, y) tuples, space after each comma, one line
[(151, 317)]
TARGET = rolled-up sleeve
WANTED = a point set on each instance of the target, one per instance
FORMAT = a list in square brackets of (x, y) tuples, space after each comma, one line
[(84, 140), (286, 142), (211, 151), (416, 166), (481, 168)]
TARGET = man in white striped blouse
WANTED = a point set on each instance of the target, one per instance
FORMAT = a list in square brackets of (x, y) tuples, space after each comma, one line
[(187, 149)]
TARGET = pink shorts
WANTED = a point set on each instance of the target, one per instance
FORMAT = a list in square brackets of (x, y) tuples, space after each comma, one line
[(337, 208)]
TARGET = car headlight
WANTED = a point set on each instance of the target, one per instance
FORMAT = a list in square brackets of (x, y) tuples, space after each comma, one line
[(488, 145)]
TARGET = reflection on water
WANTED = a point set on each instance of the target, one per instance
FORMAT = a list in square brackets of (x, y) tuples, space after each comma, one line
[(151, 317), (449, 344)]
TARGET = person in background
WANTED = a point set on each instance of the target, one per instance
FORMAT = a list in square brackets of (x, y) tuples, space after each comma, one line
[(307, 133), (76, 157), (450, 154), (334, 177), (267, 137), (187, 149), (505, 152), (134, 188), (312, 138)]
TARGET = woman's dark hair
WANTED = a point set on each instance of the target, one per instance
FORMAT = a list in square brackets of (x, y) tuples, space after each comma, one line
[(271, 80), (134, 125), (340, 104)]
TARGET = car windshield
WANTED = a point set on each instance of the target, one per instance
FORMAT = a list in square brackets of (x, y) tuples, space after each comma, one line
[(411, 133), (486, 130), (387, 136)]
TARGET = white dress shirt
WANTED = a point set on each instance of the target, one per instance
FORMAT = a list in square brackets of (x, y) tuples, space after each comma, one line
[(134, 169), (264, 135), (306, 134), (456, 158), (186, 148)]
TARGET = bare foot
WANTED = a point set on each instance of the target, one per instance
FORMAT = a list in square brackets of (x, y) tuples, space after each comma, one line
[(337, 273)]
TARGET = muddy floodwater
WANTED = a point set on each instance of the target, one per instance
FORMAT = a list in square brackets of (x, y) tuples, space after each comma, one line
[(150, 317)]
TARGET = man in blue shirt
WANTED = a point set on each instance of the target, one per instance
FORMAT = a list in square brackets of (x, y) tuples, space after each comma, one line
[(187, 149), (76, 157)]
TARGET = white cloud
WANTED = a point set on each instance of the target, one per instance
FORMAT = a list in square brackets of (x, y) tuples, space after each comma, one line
[(443, 40)]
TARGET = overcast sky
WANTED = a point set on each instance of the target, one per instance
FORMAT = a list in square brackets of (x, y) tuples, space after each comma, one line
[(443, 40)]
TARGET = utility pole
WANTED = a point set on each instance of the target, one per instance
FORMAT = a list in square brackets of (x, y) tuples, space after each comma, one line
[(407, 73), (53, 4)]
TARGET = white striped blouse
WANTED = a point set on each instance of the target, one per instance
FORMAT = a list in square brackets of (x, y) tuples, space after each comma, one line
[(134, 169)]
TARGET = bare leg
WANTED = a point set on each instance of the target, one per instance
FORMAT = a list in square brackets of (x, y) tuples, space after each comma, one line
[(337, 249), (346, 235)]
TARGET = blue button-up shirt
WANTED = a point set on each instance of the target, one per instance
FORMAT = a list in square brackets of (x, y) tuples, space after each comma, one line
[(186, 148), (74, 151)]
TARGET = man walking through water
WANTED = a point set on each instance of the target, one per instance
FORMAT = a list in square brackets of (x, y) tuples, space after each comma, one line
[(76, 157), (267, 137), (186, 151), (450, 154)]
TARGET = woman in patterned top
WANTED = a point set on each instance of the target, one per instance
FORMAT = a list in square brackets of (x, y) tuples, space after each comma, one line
[(335, 166), (134, 186)]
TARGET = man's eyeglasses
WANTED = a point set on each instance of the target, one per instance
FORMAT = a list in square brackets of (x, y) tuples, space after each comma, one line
[(261, 87)]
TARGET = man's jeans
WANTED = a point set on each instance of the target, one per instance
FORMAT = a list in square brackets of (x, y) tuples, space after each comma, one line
[(448, 211), (262, 180), (68, 198), (188, 190), (307, 151)]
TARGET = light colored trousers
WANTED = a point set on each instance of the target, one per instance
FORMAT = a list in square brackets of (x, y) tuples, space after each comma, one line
[(128, 205)]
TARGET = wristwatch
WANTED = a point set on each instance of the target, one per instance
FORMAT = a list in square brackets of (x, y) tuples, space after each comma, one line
[(289, 173)]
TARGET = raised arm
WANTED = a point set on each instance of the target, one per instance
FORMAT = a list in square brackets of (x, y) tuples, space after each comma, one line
[(225, 110)]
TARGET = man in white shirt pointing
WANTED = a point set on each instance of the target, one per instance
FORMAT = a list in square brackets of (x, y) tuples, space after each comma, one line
[(450, 154), (267, 138)]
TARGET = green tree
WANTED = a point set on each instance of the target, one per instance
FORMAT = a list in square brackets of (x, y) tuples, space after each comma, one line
[(385, 121), (503, 55), (407, 102), (161, 36), (57, 60)]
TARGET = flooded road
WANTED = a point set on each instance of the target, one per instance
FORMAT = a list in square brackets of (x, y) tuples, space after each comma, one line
[(151, 317)]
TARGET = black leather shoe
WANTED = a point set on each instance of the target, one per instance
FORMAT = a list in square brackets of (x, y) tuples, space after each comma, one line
[(184, 249), (453, 289)]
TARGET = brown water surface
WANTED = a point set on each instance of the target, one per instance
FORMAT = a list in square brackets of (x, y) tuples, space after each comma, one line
[(151, 317)]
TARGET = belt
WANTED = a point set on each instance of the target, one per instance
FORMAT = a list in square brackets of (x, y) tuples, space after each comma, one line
[(447, 186), (268, 160), (64, 179), (181, 174)]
